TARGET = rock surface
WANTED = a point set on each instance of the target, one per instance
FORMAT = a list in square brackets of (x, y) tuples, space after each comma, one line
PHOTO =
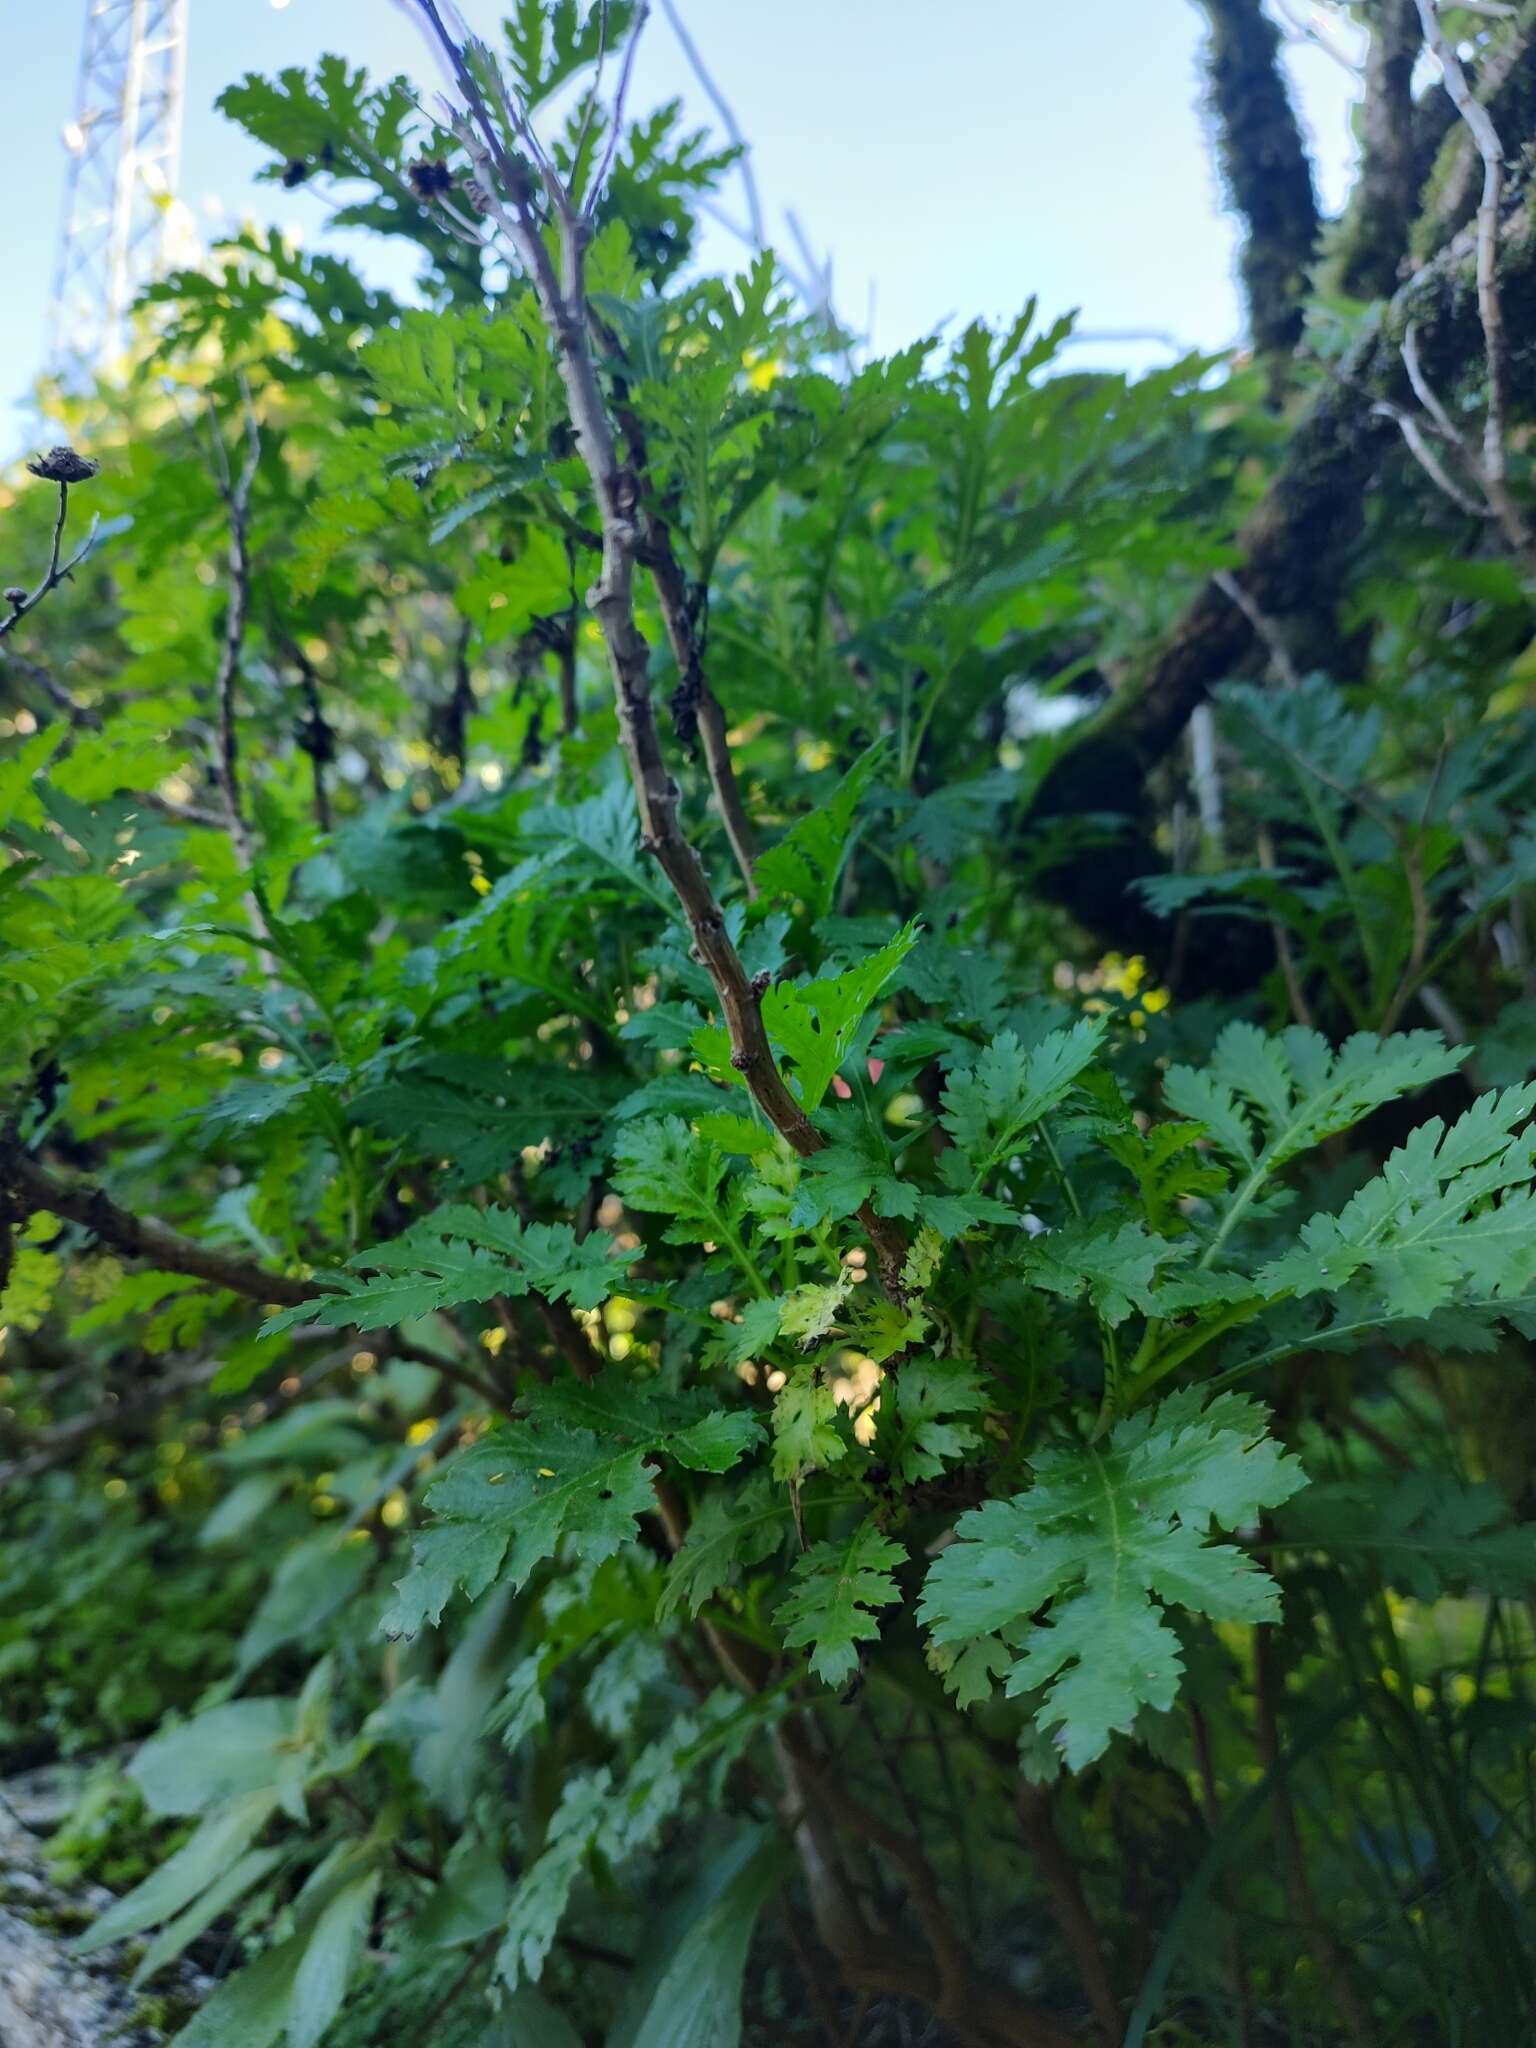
[(49, 1997)]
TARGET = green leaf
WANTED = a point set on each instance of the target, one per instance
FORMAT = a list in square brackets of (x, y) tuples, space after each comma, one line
[(808, 860), (480, 1114), (991, 1105), (925, 1417), (575, 1472), (504, 598), (814, 1024), (1267, 1100), (1426, 1533), (805, 1432), (831, 1606), (1451, 1217), (1102, 1530), (663, 1166), (229, 1886), (227, 1753), (330, 1952), (691, 1993), (1113, 1264), (220, 1839), (312, 1581), (250, 2007), (729, 1535), (460, 1254)]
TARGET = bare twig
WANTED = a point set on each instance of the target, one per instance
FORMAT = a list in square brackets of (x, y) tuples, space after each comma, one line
[(61, 466), (51, 1446), (63, 702), (1264, 627), (561, 296), (756, 227), (1493, 463), (1423, 390), (616, 124), (1422, 453), (236, 493), (594, 97), (1080, 1931), (695, 707), (184, 814)]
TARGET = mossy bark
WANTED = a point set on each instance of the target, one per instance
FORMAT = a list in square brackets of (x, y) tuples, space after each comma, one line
[(1374, 238), (1297, 548), (1266, 168)]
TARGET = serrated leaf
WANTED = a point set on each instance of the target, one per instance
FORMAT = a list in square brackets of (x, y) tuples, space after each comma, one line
[(925, 1418), (1102, 1531), (814, 1024), (832, 1603), (460, 1254), (511, 1499), (1452, 1216), (729, 1535), (808, 860), (1112, 1264), (805, 1432), (991, 1105)]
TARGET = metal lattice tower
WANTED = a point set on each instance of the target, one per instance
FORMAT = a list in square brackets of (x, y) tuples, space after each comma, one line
[(124, 144)]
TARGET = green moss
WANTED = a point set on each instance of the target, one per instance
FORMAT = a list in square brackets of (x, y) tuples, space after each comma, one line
[(1265, 166)]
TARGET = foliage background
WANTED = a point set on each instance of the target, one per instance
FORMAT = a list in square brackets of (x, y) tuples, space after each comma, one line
[(880, 1396)]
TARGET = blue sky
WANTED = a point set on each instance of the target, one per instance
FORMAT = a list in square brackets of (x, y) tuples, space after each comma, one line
[(952, 155)]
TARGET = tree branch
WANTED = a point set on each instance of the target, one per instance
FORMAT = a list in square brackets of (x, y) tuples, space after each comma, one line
[(1297, 548), (236, 493), (1266, 167), (1385, 199), (1492, 465), (562, 301), (27, 1186)]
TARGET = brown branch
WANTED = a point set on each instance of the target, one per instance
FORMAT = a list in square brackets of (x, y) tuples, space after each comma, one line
[(695, 707), (27, 1186), (63, 702), (1297, 547), (1070, 1908), (562, 301), (50, 1446)]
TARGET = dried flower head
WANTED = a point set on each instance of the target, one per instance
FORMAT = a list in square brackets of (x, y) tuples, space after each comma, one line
[(295, 172), (63, 466), (430, 179), (14, 594)]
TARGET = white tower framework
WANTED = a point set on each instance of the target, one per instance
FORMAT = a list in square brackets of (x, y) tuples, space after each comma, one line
[(124, 144)]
